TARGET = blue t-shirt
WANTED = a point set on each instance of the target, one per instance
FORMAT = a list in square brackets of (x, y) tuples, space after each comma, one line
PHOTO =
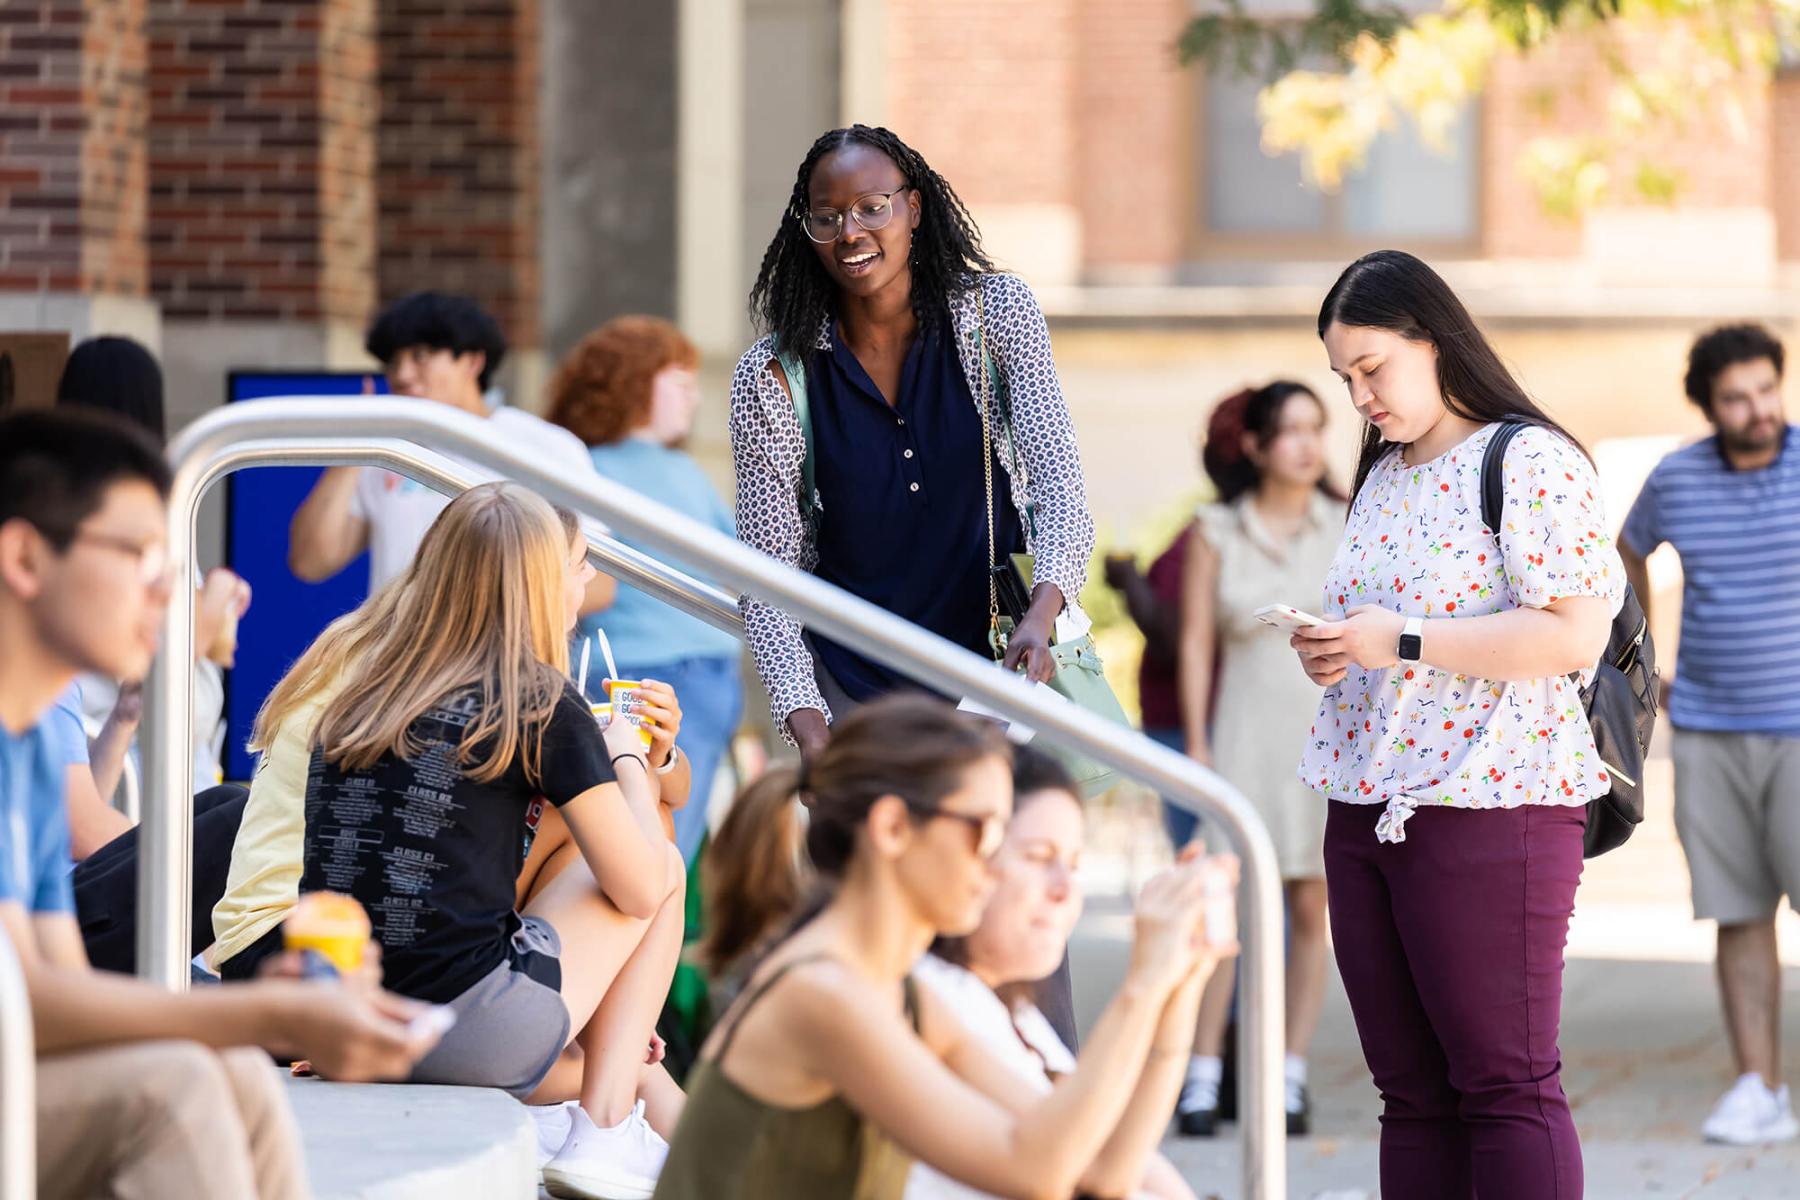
[(62, 725), (34, 818), (645, 633), (1738, 534)]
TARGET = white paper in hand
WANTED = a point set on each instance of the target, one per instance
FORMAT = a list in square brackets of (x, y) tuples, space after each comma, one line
[(1016, 731)]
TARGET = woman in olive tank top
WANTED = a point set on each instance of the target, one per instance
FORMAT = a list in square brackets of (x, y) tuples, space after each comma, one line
[(832, 1073)]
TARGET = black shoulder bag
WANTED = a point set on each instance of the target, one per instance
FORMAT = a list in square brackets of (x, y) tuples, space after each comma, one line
[(1620, 702)]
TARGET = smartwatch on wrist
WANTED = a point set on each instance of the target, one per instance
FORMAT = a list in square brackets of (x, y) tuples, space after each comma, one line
[(674, 757), (1412, 639)]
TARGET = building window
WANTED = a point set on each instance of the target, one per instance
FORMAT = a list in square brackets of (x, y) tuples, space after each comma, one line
[(1405, 192)]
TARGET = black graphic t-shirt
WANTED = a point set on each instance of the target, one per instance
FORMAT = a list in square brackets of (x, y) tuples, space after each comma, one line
[(433, 855)]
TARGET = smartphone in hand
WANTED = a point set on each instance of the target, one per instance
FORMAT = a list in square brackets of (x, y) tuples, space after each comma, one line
[(1286, 616)]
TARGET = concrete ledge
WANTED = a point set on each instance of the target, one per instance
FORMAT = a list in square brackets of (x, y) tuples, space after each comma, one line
[(391, 1142)]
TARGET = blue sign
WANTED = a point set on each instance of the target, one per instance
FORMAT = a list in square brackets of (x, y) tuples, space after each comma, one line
[(286, 613)]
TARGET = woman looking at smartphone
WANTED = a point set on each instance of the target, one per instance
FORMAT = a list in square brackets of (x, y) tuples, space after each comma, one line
[(987, 979), (1268, 539), (832, 1071), (1452, 741)]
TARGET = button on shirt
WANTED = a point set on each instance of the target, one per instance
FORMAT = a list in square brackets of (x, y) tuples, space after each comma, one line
[(1738, 534), (904, 502)]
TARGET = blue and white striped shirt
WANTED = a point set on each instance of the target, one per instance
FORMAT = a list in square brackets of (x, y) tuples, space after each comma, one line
[(1738, 534)]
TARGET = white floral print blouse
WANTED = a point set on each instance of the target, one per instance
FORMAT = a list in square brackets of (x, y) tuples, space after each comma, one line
[(1412, 735)]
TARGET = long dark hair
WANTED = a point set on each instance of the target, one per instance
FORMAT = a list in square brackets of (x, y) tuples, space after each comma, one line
[(1254, 411), (1393, 290), (793, 296)]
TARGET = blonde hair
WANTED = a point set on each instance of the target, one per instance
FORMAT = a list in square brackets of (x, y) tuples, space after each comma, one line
[(481, 607), (344, 641)]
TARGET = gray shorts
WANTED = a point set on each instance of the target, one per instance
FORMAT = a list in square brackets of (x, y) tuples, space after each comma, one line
[(1737, 811), (511, 1026)]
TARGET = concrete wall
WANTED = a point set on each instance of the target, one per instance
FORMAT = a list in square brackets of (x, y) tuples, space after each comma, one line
[(609, 164), (791, 95)]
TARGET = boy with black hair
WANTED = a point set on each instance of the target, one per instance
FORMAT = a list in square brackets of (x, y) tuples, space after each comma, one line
[(138, 1091), (1728, 504), (438, 347)]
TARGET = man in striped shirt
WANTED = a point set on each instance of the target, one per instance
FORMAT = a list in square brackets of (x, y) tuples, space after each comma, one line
[(1730, 505)]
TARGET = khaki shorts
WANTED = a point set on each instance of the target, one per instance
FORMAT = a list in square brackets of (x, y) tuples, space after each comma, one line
[(1737, 811)]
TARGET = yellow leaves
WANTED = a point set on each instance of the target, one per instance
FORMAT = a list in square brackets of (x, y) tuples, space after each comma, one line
[(1427, 73), (1669, 65), (1568, 174)]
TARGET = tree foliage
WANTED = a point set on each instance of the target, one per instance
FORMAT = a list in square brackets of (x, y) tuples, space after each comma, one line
[(1340, 76)]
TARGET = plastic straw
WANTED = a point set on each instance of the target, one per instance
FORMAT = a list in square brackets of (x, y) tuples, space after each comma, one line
[(612, 668), (587, 646)]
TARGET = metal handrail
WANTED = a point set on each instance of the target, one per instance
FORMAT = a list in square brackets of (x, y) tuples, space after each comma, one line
[(338, 431), (18, 1081)]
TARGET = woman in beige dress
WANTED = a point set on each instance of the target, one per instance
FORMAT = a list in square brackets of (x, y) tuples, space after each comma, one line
[(1269, 539)]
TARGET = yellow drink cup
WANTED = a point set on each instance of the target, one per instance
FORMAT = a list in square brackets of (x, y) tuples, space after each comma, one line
[(333, 924), (619, 696)]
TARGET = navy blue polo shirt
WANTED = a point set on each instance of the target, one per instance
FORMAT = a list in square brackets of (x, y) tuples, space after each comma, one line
[(904, 505)]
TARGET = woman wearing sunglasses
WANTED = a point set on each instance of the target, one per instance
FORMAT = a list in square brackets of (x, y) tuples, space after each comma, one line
[(832, 1072), (890, 334)]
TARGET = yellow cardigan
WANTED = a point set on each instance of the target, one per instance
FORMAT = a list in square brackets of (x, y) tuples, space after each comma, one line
[(270, 851)]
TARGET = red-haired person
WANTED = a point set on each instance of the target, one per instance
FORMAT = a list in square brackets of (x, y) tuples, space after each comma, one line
[(630, 391)]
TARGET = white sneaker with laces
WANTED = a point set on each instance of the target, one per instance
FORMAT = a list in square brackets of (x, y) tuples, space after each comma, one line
[(552, 1121), (619, 1163), (1751, 1114)]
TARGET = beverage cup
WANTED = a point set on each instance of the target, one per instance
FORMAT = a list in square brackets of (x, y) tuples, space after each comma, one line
[(332, 925), (621, 697)]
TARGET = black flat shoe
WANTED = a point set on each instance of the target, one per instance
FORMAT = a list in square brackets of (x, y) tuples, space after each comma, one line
[(1300, 1122), (1198, 1123), (1228, 1086)]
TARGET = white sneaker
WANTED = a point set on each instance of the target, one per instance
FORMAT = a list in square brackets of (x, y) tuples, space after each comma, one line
[(620, 1163), (552, 1121), (1752, 1113)]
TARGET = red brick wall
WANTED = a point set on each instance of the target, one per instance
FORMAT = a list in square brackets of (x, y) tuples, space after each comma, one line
[(1784, 162), (986, 92), (261, 158), (1562, 90), (71, 146), (459, 149), (1134, 133)]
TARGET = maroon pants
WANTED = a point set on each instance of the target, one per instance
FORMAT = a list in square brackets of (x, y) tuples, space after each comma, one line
[(1451, 949)]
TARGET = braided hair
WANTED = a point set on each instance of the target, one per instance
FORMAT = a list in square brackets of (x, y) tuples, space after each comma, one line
[(793, 295)]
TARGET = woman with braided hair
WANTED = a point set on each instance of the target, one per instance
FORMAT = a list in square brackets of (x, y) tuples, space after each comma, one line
[(857, 428), (1268, 538)]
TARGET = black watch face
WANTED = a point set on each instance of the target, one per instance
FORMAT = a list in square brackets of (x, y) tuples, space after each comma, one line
[(1409, 647)]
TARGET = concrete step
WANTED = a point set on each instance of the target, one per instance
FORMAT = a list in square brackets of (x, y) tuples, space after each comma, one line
[(391, 1142)]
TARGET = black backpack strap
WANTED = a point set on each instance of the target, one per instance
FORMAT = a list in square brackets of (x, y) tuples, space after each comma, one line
[(1493, 474)]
